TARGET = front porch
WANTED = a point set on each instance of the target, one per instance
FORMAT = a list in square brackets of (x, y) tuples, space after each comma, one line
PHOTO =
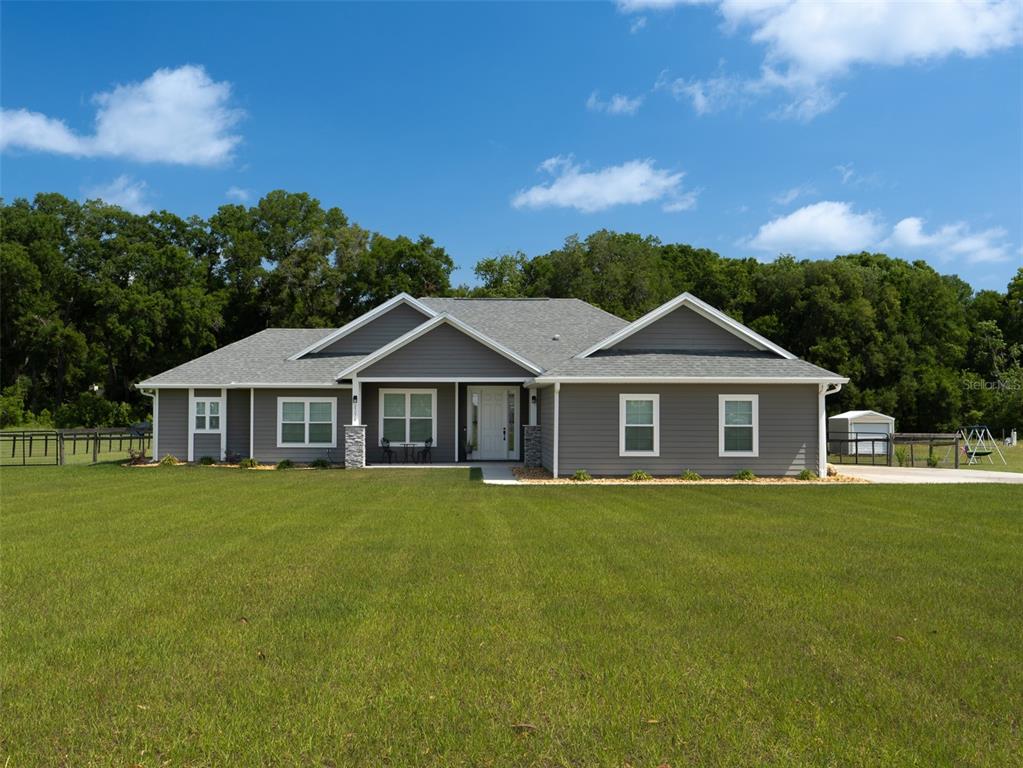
[(411, 422)]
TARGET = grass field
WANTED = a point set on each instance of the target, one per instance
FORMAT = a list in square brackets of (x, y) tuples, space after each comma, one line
[(206, 616), (1013, 460)]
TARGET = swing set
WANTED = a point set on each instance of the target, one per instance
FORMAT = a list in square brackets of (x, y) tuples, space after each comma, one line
[(979, 444)]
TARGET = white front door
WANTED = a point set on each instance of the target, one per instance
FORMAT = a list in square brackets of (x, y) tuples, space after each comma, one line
[(493, 423), (493, 420)]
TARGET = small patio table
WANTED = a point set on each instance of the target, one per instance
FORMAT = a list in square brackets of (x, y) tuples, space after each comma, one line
[(406, 447)]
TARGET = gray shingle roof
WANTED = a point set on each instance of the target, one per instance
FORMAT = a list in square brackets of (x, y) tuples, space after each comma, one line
[(528, 326), (261, 358), (704, 364)]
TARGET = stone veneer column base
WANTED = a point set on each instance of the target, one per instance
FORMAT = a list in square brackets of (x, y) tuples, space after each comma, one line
[(355, 446), (531, 445)]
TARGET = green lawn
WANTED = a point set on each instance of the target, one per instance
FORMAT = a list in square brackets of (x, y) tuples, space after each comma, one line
[(1013, 460), (206, 616)]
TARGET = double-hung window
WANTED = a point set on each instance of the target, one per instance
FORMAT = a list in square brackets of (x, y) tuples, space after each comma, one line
[(639, 430), (738, 425), (206, 414), (408, 415), (306, 421)]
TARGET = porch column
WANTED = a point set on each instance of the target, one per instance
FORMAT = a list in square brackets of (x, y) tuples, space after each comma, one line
[(532, 435), (356, 401), (355, 446), (252, 422), (456, 422), (557, 414), (223, 424)]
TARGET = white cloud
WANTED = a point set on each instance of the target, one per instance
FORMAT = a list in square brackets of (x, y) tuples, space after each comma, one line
[(174, 116), (951, 241), (789, 195), (616, 105), (639, 23), (830, 227), (808, 45), (123, 191), (834, 227), (238, 193), (632, 183)]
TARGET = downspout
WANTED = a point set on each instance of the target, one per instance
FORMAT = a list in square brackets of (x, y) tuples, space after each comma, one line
[(823, 390)]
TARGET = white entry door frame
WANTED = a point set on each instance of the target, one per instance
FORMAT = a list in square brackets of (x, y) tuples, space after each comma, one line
[(493, 415)]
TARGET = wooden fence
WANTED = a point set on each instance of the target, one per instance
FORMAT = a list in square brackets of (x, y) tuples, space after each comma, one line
[(56, 447)]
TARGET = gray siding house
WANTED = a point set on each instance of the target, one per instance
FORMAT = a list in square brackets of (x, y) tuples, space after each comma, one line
[(551, 382)]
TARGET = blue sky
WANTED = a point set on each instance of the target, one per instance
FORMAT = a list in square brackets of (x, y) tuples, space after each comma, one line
[(752, 129)]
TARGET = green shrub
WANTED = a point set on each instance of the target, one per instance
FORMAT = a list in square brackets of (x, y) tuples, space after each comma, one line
[(639, 475), (170, 460), (249, 463), (744, 474), (207, 460), (691, 476), (581, 475), (285, 464), (320, 464), (807, 474), (901, 454), (932, 461)]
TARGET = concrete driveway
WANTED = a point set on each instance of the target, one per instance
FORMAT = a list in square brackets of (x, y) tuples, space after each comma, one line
[(920, 475)]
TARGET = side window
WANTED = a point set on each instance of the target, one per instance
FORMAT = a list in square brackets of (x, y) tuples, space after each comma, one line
[(738, 429), (639, 425)]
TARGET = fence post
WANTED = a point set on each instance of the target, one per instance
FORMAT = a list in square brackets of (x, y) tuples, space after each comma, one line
[(23, 460), (95, 446), (957, 450), (60, 449)]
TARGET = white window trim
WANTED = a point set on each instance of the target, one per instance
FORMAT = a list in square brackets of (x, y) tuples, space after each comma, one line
[(221, 404), (656, 399), (722, 399), (306, 400), (433, 408)]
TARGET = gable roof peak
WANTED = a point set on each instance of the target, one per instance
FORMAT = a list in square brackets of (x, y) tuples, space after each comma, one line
[(702, 308)]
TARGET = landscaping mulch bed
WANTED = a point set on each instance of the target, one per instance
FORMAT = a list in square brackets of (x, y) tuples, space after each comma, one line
[(540, 476)]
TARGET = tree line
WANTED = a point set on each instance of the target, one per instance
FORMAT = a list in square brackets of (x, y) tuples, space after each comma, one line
[(95, 298)]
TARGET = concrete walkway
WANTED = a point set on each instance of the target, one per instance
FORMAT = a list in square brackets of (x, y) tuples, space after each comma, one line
[(921, 475), (494, 472), (499, 473)]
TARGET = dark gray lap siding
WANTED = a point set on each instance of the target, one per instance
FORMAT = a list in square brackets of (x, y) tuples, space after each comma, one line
[(265, 433), (688, 430), (173, 424), (545, 414), (443, 450), (238, 422)]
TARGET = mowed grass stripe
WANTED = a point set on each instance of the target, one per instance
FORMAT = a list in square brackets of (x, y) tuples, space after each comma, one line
[(413, 617)]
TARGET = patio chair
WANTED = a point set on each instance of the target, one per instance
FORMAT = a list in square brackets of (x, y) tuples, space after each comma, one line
[(388, 452), (425, 454)]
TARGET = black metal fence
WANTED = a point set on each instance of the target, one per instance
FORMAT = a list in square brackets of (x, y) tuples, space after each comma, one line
[(56, 447), (860, 448), (907, 449)]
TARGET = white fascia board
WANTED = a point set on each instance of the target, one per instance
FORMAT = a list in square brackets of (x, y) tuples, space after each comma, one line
[(543, 380), (446, 379), (248, 385), (703, 309), (361, 320), (428, 326)]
